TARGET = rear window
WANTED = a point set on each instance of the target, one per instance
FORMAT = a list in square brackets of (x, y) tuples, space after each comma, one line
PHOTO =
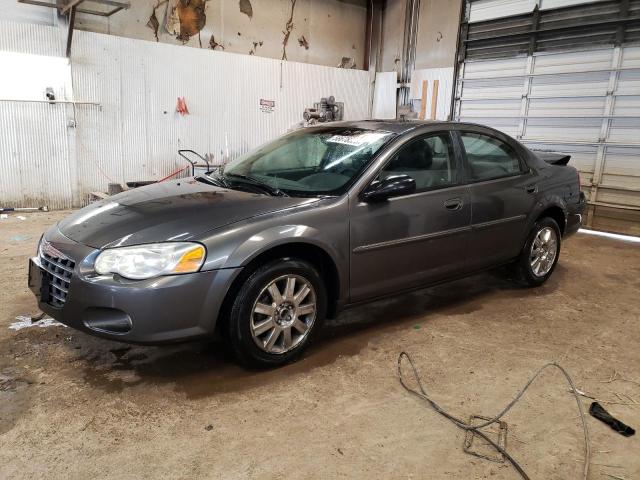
[(489, 157)]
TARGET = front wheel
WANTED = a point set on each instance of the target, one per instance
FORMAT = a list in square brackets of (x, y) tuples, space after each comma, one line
[(540, 254), (276, 313)]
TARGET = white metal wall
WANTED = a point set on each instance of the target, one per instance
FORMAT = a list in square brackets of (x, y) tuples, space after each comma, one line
[(135, 132), (583, 103)]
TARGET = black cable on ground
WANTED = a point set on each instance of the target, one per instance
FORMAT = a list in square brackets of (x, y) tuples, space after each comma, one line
[(421, 393)]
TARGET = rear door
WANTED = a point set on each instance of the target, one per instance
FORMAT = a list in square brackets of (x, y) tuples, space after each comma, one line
[(414, 239), (503, 191)]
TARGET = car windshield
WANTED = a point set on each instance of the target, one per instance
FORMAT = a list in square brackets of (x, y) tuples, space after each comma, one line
[(308, 162)]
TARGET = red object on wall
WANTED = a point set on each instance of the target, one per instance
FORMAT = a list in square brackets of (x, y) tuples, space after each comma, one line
[(181, 107)]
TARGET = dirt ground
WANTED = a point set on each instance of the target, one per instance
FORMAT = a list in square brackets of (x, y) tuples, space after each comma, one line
[(77, 407)]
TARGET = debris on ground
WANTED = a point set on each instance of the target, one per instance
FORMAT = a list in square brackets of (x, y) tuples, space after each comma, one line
[(615, 477), (19, 238), (598, 411), (10, 380), (25, 209), (617, 376), (25, 321), (38, 316)]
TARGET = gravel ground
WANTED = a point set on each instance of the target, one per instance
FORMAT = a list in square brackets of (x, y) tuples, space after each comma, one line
[(77, 407)]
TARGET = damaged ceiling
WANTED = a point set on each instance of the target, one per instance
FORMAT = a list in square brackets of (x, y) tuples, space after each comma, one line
[(323, 32), (186, 18)]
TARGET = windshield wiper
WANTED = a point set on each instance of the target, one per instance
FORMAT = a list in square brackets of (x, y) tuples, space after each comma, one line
[(276, 192), (216, 182)]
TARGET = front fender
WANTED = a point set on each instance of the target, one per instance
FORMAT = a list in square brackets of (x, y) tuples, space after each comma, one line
[(269, 238), (323, 226)]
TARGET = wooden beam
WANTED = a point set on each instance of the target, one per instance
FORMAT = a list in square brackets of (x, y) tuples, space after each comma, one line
[(423, 100), (434, 99)]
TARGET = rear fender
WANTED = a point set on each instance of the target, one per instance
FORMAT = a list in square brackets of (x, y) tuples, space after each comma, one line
[(547, 201)]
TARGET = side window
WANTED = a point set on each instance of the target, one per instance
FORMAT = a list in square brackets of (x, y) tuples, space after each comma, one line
[(430, 161), (489, 157)]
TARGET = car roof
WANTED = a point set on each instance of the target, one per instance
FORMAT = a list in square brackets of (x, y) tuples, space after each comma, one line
[(395, 126), (401, 127)]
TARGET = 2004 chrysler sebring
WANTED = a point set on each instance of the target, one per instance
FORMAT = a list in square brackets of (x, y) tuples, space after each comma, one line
[(319, 219)]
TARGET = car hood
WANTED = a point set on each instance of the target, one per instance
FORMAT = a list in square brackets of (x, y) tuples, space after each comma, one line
[(168, 211)]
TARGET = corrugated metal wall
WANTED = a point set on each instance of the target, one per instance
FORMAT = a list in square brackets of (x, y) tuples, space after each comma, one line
[(135, 132)]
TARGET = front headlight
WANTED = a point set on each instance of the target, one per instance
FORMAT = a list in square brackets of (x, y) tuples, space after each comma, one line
[(151, 260)]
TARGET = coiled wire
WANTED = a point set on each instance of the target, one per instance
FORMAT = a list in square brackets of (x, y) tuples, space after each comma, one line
[(421, 393)]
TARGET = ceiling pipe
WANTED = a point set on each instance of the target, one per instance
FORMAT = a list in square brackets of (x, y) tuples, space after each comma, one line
[(373, 35), (411, 17)]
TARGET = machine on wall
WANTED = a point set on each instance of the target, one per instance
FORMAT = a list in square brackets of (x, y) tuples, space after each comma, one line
[(327, 110)]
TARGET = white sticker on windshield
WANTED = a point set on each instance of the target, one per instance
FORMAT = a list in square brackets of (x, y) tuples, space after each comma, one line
[(356, 140)]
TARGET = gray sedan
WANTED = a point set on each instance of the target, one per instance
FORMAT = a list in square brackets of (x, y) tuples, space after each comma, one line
[(287, 235)]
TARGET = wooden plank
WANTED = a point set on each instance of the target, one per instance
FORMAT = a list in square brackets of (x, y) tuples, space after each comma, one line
[(434, 99), (423, 102)]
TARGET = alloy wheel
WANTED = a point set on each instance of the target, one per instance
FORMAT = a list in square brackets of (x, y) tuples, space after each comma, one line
[(283, 314), (544, 250)]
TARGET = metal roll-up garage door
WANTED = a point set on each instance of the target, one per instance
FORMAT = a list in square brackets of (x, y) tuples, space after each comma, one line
[(564, 79)]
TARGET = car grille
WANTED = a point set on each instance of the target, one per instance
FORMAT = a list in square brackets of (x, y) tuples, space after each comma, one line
[(58, 270)]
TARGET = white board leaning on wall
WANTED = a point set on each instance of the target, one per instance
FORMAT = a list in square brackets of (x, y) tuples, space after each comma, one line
[(445, 88)]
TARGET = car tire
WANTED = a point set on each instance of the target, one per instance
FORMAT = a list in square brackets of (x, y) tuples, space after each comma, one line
[(264, 331), (540, 254)]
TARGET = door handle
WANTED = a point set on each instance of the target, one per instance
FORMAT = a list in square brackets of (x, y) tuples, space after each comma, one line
[(531, 188), (453, 204)]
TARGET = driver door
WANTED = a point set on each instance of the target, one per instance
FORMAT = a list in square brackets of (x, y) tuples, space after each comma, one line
[(407, 241)]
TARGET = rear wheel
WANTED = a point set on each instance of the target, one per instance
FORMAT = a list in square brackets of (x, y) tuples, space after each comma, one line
[(276, 313), (540, 254)]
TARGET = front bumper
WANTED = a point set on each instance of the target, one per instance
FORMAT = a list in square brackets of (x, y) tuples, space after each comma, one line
[(158, 310)]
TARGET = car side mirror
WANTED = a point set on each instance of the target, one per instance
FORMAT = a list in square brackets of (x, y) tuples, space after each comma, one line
[(393, 186)]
